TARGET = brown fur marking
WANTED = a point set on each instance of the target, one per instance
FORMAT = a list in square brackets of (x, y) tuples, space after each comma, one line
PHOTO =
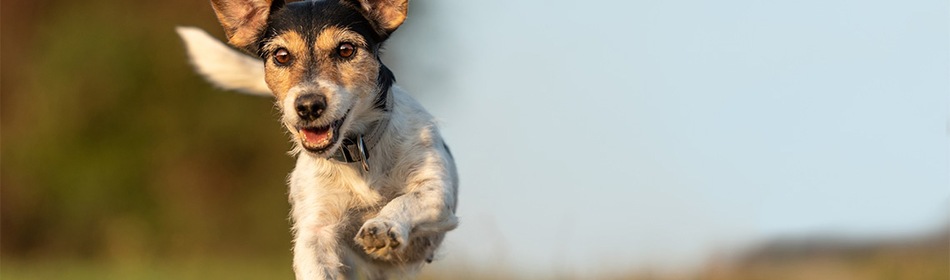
[(282, 78), (357, 73)]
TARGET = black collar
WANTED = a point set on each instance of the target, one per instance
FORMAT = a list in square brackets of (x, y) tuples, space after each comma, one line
[(356, 148)]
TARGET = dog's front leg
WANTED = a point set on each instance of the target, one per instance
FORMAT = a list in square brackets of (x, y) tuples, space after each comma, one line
[(318, 217), (426, 208), (316, 249), (387, 235)]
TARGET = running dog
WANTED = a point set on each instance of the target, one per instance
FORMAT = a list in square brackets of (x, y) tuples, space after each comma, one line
[(374, 190)]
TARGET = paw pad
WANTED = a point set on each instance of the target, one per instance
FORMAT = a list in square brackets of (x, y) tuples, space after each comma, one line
[(380, 239)]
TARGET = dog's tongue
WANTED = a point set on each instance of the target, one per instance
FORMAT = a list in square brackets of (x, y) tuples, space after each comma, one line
[(316, 135)]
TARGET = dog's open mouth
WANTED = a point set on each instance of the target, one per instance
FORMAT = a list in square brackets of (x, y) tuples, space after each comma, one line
[(319, 139)]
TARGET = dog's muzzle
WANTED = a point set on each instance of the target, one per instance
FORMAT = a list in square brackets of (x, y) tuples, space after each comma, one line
[(314, 136)]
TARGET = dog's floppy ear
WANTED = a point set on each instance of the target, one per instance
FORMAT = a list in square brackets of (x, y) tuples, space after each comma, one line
[(386, 14), (244, 20)]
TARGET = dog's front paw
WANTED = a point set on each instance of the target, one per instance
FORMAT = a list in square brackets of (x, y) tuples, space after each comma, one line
[(382, 239)]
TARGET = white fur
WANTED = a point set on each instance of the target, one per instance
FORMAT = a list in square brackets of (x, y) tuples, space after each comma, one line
[(221, 65), (410, 190)]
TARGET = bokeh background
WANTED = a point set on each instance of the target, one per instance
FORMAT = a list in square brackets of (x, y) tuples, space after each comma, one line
[(601, 139)]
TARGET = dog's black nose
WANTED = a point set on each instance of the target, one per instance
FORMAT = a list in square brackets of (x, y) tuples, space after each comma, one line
[(310, 106)]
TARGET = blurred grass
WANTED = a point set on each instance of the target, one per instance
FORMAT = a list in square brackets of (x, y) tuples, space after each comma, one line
[(178, 269), (925, 258), (922, 257)]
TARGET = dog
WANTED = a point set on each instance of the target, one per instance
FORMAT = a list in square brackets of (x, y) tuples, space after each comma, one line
[(374, 189)]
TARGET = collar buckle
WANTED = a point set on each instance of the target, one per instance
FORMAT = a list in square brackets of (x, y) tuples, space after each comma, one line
[(354, 151)]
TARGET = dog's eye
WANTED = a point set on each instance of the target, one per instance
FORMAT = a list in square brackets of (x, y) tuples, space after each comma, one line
[(282, 56), (346, 50)]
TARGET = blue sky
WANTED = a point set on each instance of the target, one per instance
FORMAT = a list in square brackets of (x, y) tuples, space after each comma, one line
[(604, 134)]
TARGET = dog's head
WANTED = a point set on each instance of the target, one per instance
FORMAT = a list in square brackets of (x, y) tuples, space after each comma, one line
[(321, 61)]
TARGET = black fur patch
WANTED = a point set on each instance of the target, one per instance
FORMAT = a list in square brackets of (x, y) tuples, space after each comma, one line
[(309, 17), (385, 81)]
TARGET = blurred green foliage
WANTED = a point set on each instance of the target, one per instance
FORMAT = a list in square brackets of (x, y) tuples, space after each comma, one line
[(113, 148)]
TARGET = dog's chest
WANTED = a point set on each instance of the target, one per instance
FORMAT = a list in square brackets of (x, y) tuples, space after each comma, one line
[(372, 194), (363, 191), (367, 196), (337, 192)]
